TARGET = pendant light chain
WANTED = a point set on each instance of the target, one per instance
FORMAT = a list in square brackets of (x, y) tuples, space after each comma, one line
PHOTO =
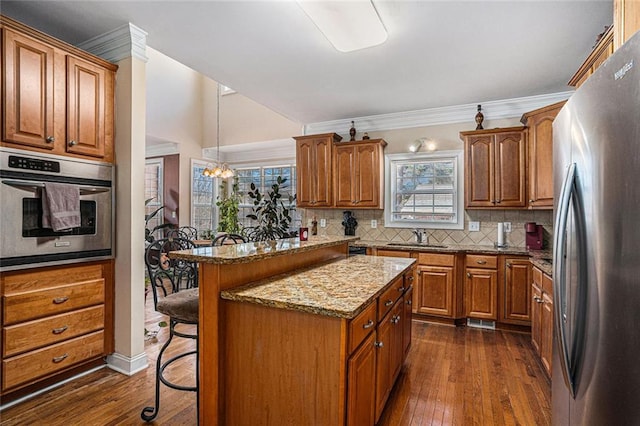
[(218, 171)]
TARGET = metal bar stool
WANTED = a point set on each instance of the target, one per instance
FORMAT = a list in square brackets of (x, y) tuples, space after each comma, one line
[(228, 239), (181, 306)]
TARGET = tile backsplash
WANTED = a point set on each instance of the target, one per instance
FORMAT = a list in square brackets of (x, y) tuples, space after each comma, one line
[(487, 235)]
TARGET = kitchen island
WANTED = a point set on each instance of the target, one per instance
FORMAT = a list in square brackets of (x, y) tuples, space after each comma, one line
[(299, 333)]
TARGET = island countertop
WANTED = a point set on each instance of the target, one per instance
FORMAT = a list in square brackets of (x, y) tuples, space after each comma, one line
[(340, 288), (250, 252)]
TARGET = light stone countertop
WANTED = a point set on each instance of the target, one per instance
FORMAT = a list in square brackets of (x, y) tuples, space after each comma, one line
[(341, 288), (251, 252)]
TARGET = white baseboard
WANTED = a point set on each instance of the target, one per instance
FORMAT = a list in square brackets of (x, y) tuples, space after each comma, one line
[(127, 365)]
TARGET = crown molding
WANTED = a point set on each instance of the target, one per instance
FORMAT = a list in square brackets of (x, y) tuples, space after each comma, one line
[(123, 42), (161, 149), (505, 108), (252, 152)]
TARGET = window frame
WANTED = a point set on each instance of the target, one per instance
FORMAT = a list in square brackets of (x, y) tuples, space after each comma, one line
[(158, 200), (214, 195), (391, 164)]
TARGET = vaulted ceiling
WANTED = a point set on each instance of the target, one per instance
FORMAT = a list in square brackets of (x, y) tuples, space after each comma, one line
[(438, 53)]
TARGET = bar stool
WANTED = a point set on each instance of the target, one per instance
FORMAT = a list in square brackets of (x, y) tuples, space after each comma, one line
[(181, 306), (228, 239)]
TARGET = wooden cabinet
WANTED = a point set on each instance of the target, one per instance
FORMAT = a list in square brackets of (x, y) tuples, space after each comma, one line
[(516, 298), (542, 317), (495, 168), (54, 319), (626, 20), (357, 176), (481, 287), (361, 396), (540, 143), (436, 286), (57, 98), (389, 355), (602, 50), (314, 159)]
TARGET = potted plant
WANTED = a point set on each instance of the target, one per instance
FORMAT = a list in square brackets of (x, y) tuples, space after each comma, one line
[(148, 232), (228, 207), (272, 216)]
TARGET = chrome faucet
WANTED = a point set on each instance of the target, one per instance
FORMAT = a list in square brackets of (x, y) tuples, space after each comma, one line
[(421, 236)]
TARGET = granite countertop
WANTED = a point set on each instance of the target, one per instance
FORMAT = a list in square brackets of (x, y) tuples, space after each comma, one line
[(341, 288), (250, 252), (539, 258)]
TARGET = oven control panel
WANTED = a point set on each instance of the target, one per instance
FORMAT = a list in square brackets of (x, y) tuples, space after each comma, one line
[(34, 164)]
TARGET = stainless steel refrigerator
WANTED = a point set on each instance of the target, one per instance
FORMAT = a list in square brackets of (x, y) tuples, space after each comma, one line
[(596, 149)]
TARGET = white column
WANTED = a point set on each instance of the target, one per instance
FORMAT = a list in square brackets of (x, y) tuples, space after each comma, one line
[(126, 46)]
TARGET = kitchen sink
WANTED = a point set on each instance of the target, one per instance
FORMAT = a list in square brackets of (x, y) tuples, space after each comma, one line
[(426, 245)]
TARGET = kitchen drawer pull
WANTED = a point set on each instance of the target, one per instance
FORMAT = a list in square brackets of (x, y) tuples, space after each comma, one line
[(468, 274), (395, 319), (410, 278), (409, 302), (537, 299), (60, 330), (58, 359), (508, 265), (59, 300), (388, 303), (378, 344), (369, 324), (73, 143), (50, 139), (401, 289), (481, 262)]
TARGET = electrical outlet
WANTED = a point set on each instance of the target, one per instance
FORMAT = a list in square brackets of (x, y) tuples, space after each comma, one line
[(323, 223), (507, 226), (173, 214), (374, 223), (474, 226)]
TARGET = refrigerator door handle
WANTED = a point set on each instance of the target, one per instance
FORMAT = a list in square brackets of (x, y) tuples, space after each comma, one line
[(559, 268)]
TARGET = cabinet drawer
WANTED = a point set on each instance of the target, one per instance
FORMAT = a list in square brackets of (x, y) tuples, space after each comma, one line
[(393, 253), (361, 326), (389, 297), (46, 331), (481, 261), (39, 363), (30, 305), (436, 259)]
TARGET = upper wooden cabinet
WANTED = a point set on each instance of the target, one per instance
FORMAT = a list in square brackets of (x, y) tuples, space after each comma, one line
[(314, 158), (540, 143), (601, 51), (357, 177), (333, 174), (56, 97), (626, 20), (495, 168)]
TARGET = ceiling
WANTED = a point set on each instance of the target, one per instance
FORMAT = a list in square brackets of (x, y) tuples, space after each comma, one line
[(438, 53)]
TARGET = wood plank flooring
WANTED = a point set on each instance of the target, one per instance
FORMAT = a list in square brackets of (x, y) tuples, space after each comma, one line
[(452, 376)]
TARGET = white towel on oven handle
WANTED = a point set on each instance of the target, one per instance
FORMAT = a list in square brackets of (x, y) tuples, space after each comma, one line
[(60, 206)]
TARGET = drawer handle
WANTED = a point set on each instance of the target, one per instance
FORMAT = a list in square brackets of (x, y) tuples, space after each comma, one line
[(378, 344), (468, 274), (388, 303), (537, 299), (58, 359), (60, 330), (369, 324), (401, 289), (409, 302), (50, 139), (59, 300), (395, 319), (508, 265), (481, 262), (410, 278), (73, 143)]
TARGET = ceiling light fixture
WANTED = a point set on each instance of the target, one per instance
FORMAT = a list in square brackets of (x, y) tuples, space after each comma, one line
[(415, 146), (348, 25), (222, 171)]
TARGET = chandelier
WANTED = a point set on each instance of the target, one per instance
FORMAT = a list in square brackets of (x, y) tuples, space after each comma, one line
[(220, 170)]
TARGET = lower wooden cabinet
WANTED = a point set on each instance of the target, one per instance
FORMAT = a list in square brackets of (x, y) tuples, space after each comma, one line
[(542, 317), (436, 285), (481, 287), (54, 319), (361, 395), (516, 306)]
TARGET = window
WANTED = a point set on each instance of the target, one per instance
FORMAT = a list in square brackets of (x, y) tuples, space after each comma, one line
[(263, 178), (424, 190), (203, 198), (153, 184)]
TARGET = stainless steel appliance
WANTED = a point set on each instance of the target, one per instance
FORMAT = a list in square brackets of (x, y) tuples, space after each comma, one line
[(596, 367), (23, 240)]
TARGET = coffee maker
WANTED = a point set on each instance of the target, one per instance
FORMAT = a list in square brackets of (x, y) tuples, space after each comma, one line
[(534, 236)]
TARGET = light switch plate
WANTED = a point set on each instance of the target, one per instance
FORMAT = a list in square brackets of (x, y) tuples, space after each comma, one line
[(374, 223), (507, 226), (323, 223), (474, 226)]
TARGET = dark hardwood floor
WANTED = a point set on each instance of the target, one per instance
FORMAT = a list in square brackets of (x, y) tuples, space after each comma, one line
[(452, 376)]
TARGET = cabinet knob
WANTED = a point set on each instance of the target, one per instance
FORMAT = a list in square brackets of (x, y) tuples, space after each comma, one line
[(73, 143), (410, 278), (508, 265), (409, 302), (401, 289), (50, 139), (498, 201), (532, 201), (468, 274), (369, 324), (378, 344)]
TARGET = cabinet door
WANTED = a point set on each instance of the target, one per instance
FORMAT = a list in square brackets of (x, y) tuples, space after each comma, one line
[(510, 170), (86, 108), (28, 101), (479, 171), (406, 322), (517, 291), (344, 175), (546, 339), (397, 336), (383, 362), (540, 140), (536, 317), (367, 178), (313, 162), (480, 294), (361, 401), (435, 285)]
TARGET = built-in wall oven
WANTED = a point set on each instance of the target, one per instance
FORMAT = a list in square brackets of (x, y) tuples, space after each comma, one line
[(24, 241)]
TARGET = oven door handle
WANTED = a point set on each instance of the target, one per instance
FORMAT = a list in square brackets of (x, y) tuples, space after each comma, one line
[(84, 190)]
